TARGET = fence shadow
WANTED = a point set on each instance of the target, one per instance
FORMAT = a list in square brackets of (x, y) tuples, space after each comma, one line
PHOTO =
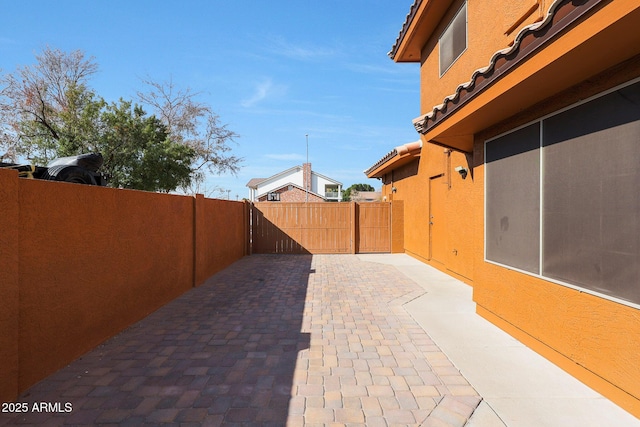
[(270, 238), (323, 228), (223, 353)]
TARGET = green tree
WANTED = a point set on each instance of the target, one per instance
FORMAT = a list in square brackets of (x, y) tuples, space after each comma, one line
[(346, 194), (81, 125), (48, 111), (139, 153)]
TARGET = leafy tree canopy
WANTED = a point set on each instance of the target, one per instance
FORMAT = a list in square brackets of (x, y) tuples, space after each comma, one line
[(48, 110)]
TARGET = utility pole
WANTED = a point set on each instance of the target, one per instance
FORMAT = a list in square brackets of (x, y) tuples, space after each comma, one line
[(307, 180)]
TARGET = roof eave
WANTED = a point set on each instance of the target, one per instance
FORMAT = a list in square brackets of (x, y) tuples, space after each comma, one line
[(286, 185), (397, 157), (326, 178), (518, 77), (420, 24)]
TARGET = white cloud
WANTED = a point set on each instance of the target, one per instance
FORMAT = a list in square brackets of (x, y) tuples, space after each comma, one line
[(261, 92), (264, 90), (282, 47), (376, 68)]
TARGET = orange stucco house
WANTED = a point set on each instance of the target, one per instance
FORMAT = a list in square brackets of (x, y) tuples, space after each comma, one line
[(525, 180)]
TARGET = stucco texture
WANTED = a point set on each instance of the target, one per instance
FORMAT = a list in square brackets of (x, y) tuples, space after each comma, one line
[(594, 338), (494, 25), (438, 212), (9, 285), (92, 261), (81, 263)]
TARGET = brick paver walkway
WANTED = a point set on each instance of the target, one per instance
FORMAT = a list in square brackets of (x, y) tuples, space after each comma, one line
[(272, 340)]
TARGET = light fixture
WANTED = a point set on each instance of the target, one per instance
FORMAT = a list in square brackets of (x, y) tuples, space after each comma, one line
[(394, 189), (462, 171)]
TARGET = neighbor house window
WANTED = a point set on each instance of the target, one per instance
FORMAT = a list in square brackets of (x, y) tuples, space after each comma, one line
[(273, 197), (567, 208), (453, 40), (331, 191)]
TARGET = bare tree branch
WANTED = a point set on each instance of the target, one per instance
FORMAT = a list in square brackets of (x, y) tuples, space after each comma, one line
[(193, 124), (37, 95)]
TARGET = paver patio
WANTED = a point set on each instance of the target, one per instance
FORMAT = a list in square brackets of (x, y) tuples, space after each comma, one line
[(271, 340)]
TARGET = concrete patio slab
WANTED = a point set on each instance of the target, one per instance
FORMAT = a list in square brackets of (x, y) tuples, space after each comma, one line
[(518, 386)]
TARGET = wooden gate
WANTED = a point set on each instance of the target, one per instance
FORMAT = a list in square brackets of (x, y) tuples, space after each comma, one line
[(374, 227), (320, 228)]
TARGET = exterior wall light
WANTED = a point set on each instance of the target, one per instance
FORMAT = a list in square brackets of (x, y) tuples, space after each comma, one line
[(394, 189), (462, 171)]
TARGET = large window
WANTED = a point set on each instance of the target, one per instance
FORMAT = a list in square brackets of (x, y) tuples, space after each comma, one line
[(513, 199), (568, 207), (453, 40)]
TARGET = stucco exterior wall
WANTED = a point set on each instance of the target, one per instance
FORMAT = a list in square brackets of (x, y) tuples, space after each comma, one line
[(9, 285), (408, 188), (88, 270), (492, 25), (593, 338), (430, 187), (81, 263), (221, 235)]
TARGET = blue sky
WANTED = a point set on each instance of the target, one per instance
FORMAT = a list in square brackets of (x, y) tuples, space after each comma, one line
[(274, 71)]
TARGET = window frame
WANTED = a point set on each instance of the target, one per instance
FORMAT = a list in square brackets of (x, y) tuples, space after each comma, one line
[(444, 33), (540, 274)]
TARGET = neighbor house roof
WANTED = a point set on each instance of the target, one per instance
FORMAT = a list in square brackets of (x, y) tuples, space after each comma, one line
[(399, 156), (287, 185), (255, 182)]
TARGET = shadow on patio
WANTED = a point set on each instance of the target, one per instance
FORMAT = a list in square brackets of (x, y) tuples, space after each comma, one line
[(223, 353)]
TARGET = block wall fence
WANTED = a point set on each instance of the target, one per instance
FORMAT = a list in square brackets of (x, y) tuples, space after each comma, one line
[(78, 264)]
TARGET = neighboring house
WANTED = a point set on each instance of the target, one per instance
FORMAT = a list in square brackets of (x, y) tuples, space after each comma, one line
[(298, 184), (365, 196), (526, 182)]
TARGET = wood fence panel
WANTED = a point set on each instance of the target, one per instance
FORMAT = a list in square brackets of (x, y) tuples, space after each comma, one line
[(297, 228), (374, 227), (275, 229), (320, 228)]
